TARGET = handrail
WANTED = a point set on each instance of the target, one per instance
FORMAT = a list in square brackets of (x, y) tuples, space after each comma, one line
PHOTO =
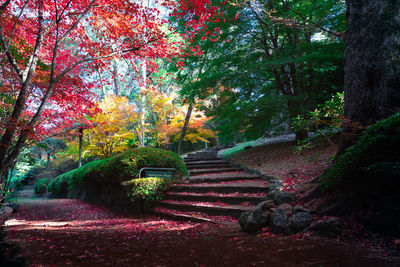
[(158, 169)]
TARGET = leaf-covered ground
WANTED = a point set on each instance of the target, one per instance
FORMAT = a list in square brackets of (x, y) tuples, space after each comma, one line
[(280, 161), (74, 233)]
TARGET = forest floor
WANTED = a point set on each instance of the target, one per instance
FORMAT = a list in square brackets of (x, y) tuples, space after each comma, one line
[(296, 171), (65, 232)]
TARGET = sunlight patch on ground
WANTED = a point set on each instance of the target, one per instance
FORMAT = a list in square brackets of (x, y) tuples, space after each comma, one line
[(105, 224)]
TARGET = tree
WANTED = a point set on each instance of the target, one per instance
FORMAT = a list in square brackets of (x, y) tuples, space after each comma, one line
[(111, 134), (265, 61), (68, 36), (372, 69)]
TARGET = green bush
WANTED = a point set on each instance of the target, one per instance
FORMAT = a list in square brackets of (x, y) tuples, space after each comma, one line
[(152, 188), (102, 178), (374, 158), (325, 121), (40, 186)]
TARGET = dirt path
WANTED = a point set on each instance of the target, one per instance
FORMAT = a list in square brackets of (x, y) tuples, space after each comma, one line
[(74, 233)]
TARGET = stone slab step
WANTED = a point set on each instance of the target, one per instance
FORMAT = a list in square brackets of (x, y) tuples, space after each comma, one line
[(206, 162), (208, 208), (222, 177), (244, 187), (229, 199), (194, 159), (214, 170), (176, 216), (207, 166)]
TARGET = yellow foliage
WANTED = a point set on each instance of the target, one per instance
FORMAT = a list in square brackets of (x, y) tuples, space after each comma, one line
[(111, 134), (195, 132)]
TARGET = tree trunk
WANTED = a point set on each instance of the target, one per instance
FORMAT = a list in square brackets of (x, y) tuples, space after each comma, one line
[(372, 66), (295, 107), (115, 79), (185, 127), (80, 147)]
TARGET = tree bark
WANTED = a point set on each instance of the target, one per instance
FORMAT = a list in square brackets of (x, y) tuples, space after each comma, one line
[(372, 66), (80, 147), (295, 107), (185, 127)]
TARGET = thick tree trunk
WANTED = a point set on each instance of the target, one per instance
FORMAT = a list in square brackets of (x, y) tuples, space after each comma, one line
[(372, 65), (185, 127)]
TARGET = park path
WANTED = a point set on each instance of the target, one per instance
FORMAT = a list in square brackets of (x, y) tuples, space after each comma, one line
[(71, 232)]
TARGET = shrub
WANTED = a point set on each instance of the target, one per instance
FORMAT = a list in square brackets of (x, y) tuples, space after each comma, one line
[(325, 121), (374, 158), (40, 186), (152, 188), (103, 178)]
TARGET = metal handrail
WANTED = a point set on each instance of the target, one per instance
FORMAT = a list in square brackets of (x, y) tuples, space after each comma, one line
[(156, 169)]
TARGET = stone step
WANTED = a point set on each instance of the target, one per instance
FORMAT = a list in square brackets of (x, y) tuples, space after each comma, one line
[(212, 209), (223, 177), (214, 170), (192, 216), (233, 199), (244, 187), (208, 166), (177, 216), (194, 159), (206, 162)]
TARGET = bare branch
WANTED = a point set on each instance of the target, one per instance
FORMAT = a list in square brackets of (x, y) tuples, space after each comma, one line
[(78, 20)]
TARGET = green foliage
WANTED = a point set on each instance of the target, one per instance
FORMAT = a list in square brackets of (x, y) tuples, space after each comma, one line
[(260, 56), (152, 157), (40, 187), (152, 188), (324, 121), (373, 159), (105, 176)]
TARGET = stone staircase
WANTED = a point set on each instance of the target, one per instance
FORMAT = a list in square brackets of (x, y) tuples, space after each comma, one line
[(215, 191)]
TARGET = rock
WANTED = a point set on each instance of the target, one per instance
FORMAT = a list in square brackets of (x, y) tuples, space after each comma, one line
[(300, 221), (281, 197), (249, 221), (300, 208), (265, 205), (330, 228), (288, 209), (13, 205), (274, 185), (5, 212), (279, 222), (263, 216)]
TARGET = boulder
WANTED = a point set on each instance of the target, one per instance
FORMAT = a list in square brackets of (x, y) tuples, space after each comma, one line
[(265, 205), (279, 222), (274, 185), (299, 208), (5, 213), (249, 222), (281, 197), (329, 227), (252, 221), (300, 221), (287, 208)]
